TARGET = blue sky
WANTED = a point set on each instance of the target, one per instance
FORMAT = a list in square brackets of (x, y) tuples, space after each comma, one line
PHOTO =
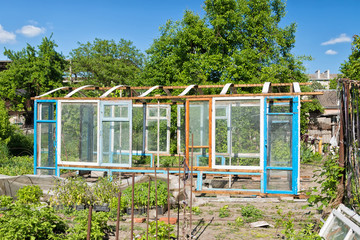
[(324, 27)]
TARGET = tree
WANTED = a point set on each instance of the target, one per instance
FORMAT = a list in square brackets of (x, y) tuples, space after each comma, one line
[(237, 41), (351, 67), (107, 63), (31, 72)]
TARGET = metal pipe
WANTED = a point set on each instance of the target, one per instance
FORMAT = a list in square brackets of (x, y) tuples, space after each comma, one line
[(118, 217), (132, 207), (178, 204), (148, 209), (89, 223), (168, 200), (191, 182)]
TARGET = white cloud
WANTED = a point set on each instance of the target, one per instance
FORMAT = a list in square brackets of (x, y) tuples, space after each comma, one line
[(6, 36), (30, 31), (340, 39), (331, 52)]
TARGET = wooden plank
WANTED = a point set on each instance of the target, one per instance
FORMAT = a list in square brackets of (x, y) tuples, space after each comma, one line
[(193, 97), (163, 168), (210, 133), (235, 192)]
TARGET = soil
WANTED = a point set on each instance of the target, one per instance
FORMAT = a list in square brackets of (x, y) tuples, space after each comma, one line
[(209, 225)]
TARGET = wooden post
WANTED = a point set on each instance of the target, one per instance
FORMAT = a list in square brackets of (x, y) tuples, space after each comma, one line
[(118, 217), (132, 207), (89, 223)]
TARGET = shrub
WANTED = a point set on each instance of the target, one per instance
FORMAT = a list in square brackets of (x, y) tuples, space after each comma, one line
[(164, 231), (22, 222), (30, 194), (16, 166), (5, 201), (99, 226), (71, 192), (224, 211), (251, 213), (104, 190)]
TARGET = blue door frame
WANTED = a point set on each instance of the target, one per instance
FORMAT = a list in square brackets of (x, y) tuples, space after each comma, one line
[(36, 121), (294, 145)]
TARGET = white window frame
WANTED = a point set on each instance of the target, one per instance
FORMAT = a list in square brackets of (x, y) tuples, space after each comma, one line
[(260, 154)]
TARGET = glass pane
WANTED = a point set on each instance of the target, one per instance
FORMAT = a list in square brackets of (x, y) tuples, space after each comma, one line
[(279, 140), (279, 180), (152, 135), (46, 111), (45, 172), (137, 128), (79, 132), (116, 142), (116, 111), (181, 127), (220, 111), (279, 106), (200, 157), (153, 111), (46, 144), (337, 230), (238, 133), (199, 123), (245, 126)]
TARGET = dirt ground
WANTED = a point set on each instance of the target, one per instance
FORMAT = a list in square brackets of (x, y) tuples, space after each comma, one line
[(209, 225)]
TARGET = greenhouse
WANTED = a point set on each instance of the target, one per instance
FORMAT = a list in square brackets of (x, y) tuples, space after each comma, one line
[(230, 140)]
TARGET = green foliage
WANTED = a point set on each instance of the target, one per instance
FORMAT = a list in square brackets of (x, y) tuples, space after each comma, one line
[(104, 190), (30, 194), (239, 221), (31, 72), (226, 45), (307, 231), (224, 211), (196, 210), (23, 222), (6, 129), (5, 201), (164, 231), (307, 155), (250, 213), (351, 67), (328, 178), (107, 63), (71, 192), (141, 194), (99, 226), (21, 144), (15, 166)]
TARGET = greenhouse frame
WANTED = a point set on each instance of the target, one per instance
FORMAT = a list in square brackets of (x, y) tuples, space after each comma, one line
[(233, 141)]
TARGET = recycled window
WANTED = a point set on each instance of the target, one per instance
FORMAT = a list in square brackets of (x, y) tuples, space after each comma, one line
[(116, 133), (237, 132), (78, 139), (46, 136)]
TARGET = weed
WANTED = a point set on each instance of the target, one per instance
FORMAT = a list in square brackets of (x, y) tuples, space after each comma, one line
[(250, 213), (224, 211)]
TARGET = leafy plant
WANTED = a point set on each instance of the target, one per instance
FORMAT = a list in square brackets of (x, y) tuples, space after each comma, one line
[(99, 226), (328, 177), (224, 211), (23, 222), (251, 213), (5, 201), (287, 221), (104, 190), (30, 194), (196, 210), (164, 231), (307, 155), (71, 192), (239, 221)]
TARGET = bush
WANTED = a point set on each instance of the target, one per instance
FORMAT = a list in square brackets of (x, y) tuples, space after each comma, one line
[(29, 194), (99, 226), (251, 213), (5, 201), (21, 144), (16, 166), (22, 222)]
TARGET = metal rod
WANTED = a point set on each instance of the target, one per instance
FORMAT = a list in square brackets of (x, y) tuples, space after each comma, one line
[(148, 209), (156, 203), (89, 224), (118, 217), (191, 182), (132, 206), (178, 204), (168, 200)]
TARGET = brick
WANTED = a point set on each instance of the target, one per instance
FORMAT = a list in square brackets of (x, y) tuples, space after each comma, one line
[(165, 219)]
